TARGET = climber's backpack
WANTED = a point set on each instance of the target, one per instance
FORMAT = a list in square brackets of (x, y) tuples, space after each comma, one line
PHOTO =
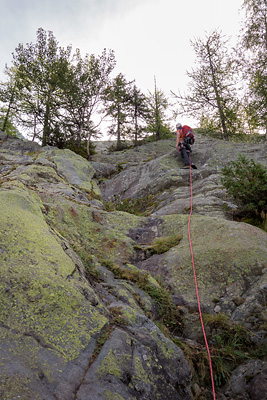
[(187, 134)]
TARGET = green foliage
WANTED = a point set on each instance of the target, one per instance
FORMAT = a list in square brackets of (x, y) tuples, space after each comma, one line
[(53, 93), (118, 101), (85, 85), (254, 61), (163, 244), (10, 129), (158, 104), (38, 74), (139, 113), (232, 344), (209, 123), (165, 134), (55, 96), (246, 182), (212, 85), (81, 150), (238, 137)]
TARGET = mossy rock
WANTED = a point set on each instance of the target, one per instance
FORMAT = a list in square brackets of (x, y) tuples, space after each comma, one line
[(42, 293), (73, 168), (101, 234), (135, 365), (228, 258)]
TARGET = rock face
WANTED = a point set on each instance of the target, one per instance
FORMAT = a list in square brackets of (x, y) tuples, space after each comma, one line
[(79, 292)]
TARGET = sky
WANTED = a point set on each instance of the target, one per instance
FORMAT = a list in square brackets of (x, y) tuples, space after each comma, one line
[(150, 38)]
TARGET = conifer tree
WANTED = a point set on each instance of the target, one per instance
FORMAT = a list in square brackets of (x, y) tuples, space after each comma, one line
[(254, 40), (8, 95), (117, 104), (84, 94), (139, 112), (157, 119), (40, 68), (212, 89)]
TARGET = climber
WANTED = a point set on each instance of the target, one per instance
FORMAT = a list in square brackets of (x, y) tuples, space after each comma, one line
[(185, 138)]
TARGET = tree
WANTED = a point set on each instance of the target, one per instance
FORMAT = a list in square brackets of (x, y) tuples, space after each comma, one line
[(254, 40), (8, 95), (84, 94), (139, 111), (40, 68), (212, 84), (59, 96), (157, 103), (117, 105)]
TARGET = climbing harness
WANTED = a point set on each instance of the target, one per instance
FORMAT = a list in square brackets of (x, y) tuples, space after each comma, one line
[(198, 301)]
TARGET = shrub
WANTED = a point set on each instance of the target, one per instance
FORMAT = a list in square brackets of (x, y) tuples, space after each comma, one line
[(246, 183)]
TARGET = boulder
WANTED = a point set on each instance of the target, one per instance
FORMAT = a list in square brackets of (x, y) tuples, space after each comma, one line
[(248, 382)]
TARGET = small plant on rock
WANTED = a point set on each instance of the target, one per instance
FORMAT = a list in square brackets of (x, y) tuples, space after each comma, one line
[(163, 244)]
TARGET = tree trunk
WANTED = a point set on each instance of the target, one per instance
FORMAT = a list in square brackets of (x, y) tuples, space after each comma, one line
[(136, 130), (118, 130), (88, 146), (8, 110), (46, 130), (79, 138)]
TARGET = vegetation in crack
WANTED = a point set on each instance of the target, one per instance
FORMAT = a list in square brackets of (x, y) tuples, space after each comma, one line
[(230, 345), (142, 206), (167, 312), (163, 244)]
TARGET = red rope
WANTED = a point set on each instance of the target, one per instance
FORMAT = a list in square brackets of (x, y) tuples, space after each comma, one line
[(198, 301)]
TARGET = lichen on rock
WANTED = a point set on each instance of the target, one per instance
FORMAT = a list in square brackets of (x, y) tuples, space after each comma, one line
[(82, 295)]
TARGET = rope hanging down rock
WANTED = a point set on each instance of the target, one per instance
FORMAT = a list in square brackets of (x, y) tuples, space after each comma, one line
[(193, 264)]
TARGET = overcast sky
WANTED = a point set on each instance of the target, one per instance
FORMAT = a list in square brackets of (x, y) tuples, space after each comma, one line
[(150, 37)]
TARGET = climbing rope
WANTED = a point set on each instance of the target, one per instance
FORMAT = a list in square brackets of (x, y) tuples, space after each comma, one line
[(198, 301)]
